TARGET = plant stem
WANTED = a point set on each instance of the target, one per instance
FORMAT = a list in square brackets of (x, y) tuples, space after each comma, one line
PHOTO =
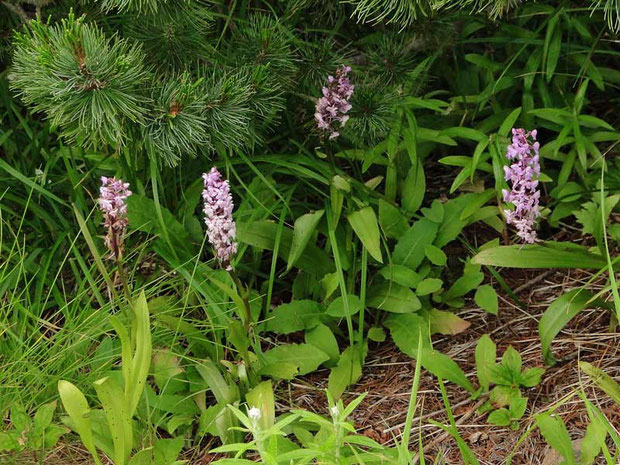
[(360, 325), (123, 278)]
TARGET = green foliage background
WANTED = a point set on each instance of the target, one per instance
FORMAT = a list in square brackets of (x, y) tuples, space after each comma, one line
[(156, 92)]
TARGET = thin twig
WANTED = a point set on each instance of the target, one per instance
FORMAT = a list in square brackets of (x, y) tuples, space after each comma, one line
[(466, 416), (532, 281)]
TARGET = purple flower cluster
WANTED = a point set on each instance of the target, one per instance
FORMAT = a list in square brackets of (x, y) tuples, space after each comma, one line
[(523, 175), (218, 208), (332, 108), (112, 195)]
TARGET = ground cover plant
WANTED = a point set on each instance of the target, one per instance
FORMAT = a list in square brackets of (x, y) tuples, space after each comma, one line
[(309, 232)]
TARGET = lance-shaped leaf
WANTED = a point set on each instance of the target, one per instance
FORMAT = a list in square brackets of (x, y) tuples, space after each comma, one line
[(364, 223), (304, 227), (77, 408), (559, 313), (406, 331), (118, 416), (602, 380), (539, 256)]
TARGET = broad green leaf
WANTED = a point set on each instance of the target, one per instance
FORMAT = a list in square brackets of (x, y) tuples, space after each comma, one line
[(486, 353), (222, 391), (364, 223), (282, 370), (337, 309), (465, 133), (20, 418), (392, 222), (307, 357), (593, 441), (167, 372), (348, 371), (303, 229), (476, 202), (531, 377), (53, 434), (294, 316), (435, 255), (447, 323), (435, 212), (43, 418), (557, 315), (428, 286), (555, 115), (262, 234), (401, 274), (509, 122), (499, 417), (444, 367), (466, 283), (592, 216), (452, 224), (555, 433), (118, 416), (461, 178), (261, 397), (77, 408), (486, 298), (414, 188), (517, 407), (163, 452), (376, 334), (539, 256), (410, 249), (502, 395), (594, 122), (406, 330), (239, 338), (393, 297), (602, 380), (512, 361), (323, 338)]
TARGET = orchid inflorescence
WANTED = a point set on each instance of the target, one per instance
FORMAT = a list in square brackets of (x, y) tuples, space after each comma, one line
[(112, 195), (523, 174), (218, 207), (333, 107)]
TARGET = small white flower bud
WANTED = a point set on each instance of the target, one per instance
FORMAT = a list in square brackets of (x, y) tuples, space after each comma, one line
[(254, 415)]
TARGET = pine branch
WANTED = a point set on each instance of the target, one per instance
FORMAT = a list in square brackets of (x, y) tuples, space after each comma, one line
[(84, 82), (174, 38), (177, 124)]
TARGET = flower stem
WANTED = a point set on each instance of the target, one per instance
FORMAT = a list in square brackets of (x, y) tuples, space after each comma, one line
[(123, 278)]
